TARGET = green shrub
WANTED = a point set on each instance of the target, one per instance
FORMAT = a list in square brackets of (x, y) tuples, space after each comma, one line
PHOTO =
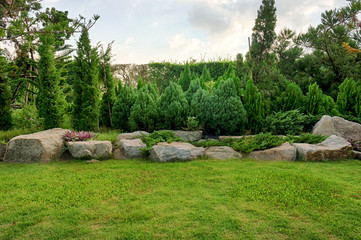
[(27, 118), (157, 137), (122, 108), (185, 78), (173, 107), (5, 96), (199, 107), (290, 122), (193, 88), (346, 99), (319, 104), (192, 124), (291, 99), (306, 138)]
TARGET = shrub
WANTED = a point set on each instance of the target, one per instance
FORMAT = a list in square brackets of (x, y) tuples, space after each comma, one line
[(157, 137), (291, 99), (173, 107), (192, 124), (319, 104), (26, 118), (346, 98), (193, 88), (185, 78), (122, 108), (5, 96), (230, 74), (73, 136), (199, 107), (290, 122), (306, 138)]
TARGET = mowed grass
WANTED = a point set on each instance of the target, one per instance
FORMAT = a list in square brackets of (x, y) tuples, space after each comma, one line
[(203, 199)]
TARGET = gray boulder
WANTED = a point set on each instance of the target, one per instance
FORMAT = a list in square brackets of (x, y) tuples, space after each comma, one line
[(338, 126), (37, 147), (285, 152), (90, 149), (129, 149), (175, 151), (332, 148), (222, 152), (188, 136), (133, 135), (2, 151)]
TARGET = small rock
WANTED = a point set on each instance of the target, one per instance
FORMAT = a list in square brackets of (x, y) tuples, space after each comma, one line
[(188, 136), (133, 135), (129, 149), (285, 152), (93, 161), (175, 151), (222, 152), (90, 149)]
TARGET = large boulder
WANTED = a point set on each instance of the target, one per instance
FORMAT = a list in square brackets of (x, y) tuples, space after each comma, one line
[(222, 152), (175, 151), (2, 151), (338, 126), (332, 148), (90, 149), (37, 147), (285, 152), (133, 135), (129, 149), (188, 136)]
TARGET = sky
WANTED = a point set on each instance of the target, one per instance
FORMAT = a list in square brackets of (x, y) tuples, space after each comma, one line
[(146, 31)]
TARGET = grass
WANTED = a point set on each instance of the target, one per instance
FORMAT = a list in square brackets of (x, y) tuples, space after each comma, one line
[(203, 199)]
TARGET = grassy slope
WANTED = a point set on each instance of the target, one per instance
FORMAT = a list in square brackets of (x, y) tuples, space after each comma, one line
[(200, 199)]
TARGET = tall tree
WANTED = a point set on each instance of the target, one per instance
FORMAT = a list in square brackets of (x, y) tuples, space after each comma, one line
[(5, 96), (185, 78), (86, 85)]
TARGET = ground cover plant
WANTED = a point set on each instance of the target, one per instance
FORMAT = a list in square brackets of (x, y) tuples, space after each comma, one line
[(203, 199)]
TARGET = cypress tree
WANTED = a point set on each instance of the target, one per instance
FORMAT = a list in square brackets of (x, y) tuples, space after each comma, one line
[(118, 88), (140, 83), (253, 103), (122, 107), (193, 88), (86, 86), (319, 104), (173, 107), (5, 96), (185, 78), (49, 78), (206, 76), (291, 99), (199, 107), (346, 99), (144, 114)]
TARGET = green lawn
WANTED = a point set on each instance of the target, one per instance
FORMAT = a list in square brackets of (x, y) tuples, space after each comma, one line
[(204, 199)]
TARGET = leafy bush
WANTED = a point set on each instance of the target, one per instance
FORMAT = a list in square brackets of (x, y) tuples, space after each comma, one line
[(306, 138), (73, 136), (157, 137), (291, 99), (26, 118), (122, 108), (192, 124), (290, 122)]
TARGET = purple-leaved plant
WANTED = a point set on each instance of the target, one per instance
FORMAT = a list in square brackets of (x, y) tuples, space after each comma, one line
[(72, 136), (355, 144)]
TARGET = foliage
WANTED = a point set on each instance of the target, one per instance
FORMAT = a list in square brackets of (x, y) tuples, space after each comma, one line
[(73, 136), (253, 104), (317, 103), (192, 124), (230, 73), (225, 109), (199, 107), (122, 108), (291, 99), (193, 88), (347, 96), (185, 78), (144, 114), (5, 96), (107, 135), (86, 90), (157, 137), (6, 136), (26, 118), (306, 138), (356, 144), (173, 107), (290, 122)]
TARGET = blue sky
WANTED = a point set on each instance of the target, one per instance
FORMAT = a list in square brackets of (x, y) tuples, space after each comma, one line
[(177, 30)]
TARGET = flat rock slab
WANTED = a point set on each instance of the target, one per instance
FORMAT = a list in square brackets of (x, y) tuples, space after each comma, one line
[(357, 155), (2, 151), (285, 152), (90, 149), (332, 148), (129, 149), (133, 135), (188, 136), (175, 152), (338, 126), (222, 152), (37, 147)]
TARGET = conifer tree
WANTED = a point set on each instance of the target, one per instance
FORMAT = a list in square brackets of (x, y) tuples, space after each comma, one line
[(206, 76), (49, 78), (291, 99), (230, 74), (185, 78), (140, 83), (122, 107), (118, 88), (319, 104), (173, 107), (86, 86), (5, 96), (199, 107), (193, 88), (346, 99), (358, 99), (144, 113), (253, 104)]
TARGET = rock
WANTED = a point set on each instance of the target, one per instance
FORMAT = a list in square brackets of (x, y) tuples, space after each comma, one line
[(188, 136), (90, 149), (332, 148), (2, 151), (37, 147), (338, 126), (222, 152), (133, 135), (357, 155), (175, 151), (93, 161), (129, 149), (285, 152)]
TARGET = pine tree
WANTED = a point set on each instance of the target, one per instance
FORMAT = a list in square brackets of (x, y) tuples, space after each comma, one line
[(5, 96), (173, 107), (122, 108), (144, 113), (109, 95), (199, 107), (86, 86), (185, 78), (346, 99), (319, 104), (118, 88), (140, 83), (49, 78), (253, 104), (206, 76), (193, 88), (230, 74), (291, 99)]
